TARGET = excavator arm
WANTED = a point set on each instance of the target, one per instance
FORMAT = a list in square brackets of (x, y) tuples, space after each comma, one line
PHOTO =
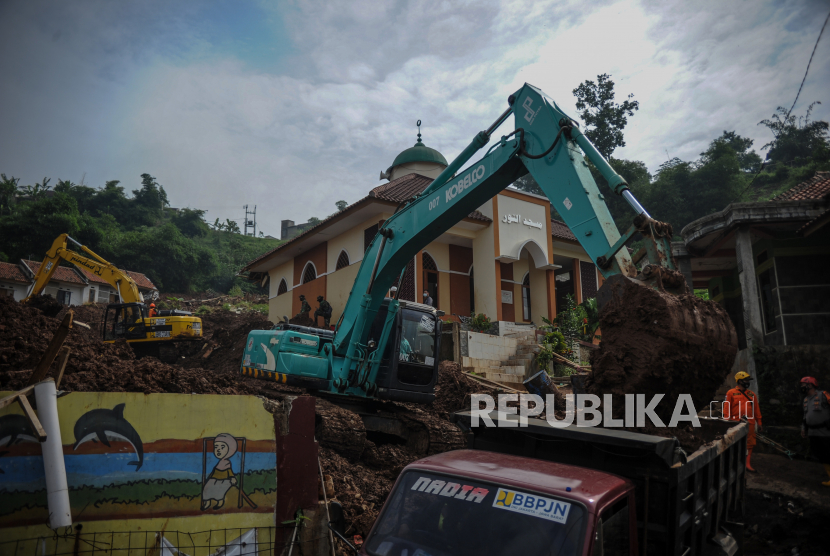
[(123, 284), (546, 143)]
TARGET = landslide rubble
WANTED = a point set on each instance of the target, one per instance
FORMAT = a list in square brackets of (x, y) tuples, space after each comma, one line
[(363, 466)]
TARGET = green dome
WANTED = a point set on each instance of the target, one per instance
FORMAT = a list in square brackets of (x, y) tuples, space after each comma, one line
[(419, 153)]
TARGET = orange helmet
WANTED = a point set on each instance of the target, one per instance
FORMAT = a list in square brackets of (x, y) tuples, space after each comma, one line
[(809, 380), (153, 305)]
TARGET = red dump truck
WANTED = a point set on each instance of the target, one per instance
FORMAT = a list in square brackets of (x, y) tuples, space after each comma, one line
[(568, 491)]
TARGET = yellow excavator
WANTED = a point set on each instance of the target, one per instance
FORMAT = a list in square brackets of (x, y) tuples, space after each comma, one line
[(130, 318)]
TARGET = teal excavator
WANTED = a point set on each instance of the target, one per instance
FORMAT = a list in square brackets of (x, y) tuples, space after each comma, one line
[(387, 348)]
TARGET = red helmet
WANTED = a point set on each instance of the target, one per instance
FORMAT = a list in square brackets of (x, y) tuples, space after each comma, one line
[(809, 380)]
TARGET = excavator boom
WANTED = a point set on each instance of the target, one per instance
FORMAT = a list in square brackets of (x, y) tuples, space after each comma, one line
[(129, 319), (123, 284), (549, 145)]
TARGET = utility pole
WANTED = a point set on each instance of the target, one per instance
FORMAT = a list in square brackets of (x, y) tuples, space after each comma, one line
[(250, 223)]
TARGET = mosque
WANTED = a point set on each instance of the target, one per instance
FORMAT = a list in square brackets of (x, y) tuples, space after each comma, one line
[(508, 259)]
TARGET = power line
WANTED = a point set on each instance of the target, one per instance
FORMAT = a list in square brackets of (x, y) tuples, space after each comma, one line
[(798, 94), (808, 64)]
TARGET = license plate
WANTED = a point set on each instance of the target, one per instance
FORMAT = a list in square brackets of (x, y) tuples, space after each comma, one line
[(163, 334)]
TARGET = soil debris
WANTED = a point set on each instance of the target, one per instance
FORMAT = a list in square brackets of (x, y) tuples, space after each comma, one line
[(363, 465), (654, 342)]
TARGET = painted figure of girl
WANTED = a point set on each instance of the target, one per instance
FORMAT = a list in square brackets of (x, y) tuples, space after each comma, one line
[(221, 478)]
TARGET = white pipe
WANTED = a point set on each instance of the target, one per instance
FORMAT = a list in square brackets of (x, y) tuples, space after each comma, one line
[(57, 491)]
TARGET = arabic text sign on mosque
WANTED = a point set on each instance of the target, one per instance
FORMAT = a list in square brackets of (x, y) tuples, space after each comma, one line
[(517, 218)]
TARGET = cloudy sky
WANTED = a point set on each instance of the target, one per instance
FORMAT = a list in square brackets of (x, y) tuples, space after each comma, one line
[(292, 105)]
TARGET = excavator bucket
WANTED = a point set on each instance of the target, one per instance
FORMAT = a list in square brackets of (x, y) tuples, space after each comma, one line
[(659, 338)]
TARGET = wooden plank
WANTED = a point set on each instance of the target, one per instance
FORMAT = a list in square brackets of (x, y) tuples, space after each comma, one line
[(52, 351), (8, 400), (489, 382), (32, 418), (568, 362), (63, 357)]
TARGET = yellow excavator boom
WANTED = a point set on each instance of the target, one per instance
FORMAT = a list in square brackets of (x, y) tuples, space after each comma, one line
[(123, 284)]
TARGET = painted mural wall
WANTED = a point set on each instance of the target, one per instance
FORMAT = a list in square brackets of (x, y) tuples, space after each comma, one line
[(183, 462)]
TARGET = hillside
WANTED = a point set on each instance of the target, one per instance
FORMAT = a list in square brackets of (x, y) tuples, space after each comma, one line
[(176, 248)]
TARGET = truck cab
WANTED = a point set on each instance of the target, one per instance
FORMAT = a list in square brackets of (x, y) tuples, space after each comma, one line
[(479, 503)]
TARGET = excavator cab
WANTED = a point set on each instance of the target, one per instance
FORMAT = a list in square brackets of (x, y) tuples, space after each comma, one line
[(125, 320), (409, 368)]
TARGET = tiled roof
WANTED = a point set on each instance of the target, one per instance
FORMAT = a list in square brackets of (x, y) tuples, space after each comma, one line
[(401, 189), (406, 187), (560, 230), (141, 280), (94, 278), (62, 273), (816, 188), (396, 191), (9, 271)]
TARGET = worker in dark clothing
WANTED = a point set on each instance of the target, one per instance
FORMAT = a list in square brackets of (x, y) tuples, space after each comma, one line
[(323, 310), (428, 299), (816, 423), (305, 308)]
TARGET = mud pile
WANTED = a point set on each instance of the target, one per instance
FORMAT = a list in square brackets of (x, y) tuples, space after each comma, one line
[(658, 343), (224, 334), (363, 465), (94, 366)]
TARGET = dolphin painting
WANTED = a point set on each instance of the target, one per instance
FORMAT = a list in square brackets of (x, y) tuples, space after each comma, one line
[(14, 428), (108, 424)]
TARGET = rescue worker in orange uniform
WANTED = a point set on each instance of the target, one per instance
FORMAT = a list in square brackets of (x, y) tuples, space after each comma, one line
[(742, 404), (152, 310)]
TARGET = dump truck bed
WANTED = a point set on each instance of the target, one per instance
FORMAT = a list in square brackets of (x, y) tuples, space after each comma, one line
[(687, 505)]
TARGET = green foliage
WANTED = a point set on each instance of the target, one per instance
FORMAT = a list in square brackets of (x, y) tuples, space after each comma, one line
[(8, 188), (203, 310), (797, 140), (480, 323), (545, 356), (563, 370), (177, 250), (604, 119), (235, 291), (314, 220), (191, 222), (232, 227), (226, 307), (556, 340), (703, 294), (341, 205), (260, 308)]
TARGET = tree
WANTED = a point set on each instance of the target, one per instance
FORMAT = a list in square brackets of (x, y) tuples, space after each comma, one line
[(38, 191), (341, 205), (171, 260), (218, 225), (8, 188), (191, 222), (798, 140), (112, 200), (232, 227), (314, 220), (748, 160), (606, 118)]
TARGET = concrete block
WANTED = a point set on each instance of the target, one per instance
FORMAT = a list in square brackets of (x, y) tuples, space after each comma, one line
[(503, 377)]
